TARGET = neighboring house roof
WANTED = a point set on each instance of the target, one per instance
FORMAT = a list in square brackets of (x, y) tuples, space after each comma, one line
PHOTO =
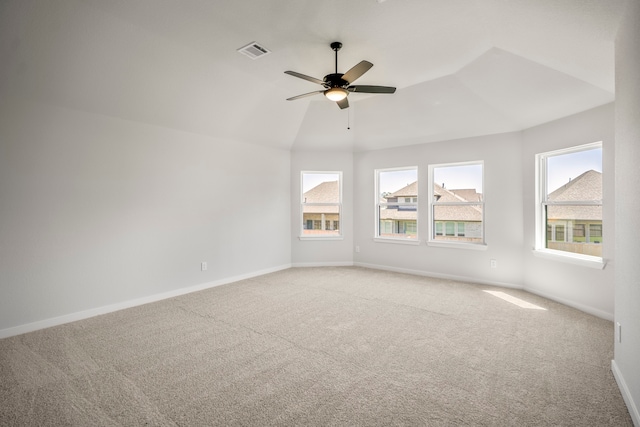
[(468, 194), (457, 213), (410, 190), (393, 213), (442, 213), (406, 213), (326, 192), (458, 195), (398, 214), (586, 187)]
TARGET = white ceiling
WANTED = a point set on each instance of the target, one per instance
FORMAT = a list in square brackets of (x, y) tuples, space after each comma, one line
[(462, 67)]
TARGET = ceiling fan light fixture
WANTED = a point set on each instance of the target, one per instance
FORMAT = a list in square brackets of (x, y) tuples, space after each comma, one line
[(336, 93)]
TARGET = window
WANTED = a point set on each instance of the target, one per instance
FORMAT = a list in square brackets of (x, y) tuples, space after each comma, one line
[(321, 204), (578, 231), (451, 228), (438, 228), (397, 204), (569, 202), (460, 231), (456, 205)]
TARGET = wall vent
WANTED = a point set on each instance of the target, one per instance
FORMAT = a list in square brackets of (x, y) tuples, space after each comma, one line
[(254, 50)]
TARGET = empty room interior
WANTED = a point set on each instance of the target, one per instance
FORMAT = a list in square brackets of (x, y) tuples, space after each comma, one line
[(364, 212)]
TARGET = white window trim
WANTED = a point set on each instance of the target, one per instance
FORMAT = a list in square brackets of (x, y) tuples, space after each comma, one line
[(338, 237), (431, 241), (302, 236), (378, 204), (540, 227), (458, 245), (398, 241)]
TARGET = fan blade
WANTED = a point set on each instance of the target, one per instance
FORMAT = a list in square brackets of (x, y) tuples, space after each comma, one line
[(358, 70), (305, 77), (371, 89), (293, 98), (343, 103)]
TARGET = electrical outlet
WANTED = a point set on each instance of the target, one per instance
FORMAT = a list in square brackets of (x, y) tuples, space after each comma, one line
[(203, 266), (494, 263), (357, 248)]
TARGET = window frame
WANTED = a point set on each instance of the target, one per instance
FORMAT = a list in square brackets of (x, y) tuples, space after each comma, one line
[(432, 203), (378, 204), (541, 204), (303, 203)]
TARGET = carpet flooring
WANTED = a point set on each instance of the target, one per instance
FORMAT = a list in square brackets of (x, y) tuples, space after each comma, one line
[(331, 346)]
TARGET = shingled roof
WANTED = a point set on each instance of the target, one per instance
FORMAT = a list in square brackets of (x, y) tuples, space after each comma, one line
[(468, 194), (409, 190), (457, 213), (586, 187), (398, 214), (325, 192), (442, 213)]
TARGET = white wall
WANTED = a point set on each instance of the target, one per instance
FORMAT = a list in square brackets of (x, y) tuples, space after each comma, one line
[(627, 280), (96, 211), (586, 288), (322, 252), (503, 210)]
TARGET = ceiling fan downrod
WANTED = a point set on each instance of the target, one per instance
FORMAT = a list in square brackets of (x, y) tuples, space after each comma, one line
[(336, 47)]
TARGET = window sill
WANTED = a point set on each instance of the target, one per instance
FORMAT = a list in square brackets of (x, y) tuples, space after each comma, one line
[(576, 259), (414, 242), (457, 245), (320, 237)]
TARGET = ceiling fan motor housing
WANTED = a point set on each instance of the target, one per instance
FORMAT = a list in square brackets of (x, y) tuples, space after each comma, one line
[(335, 80)]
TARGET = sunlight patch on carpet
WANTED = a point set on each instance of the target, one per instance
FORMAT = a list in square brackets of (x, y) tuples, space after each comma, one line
[(514, 300)]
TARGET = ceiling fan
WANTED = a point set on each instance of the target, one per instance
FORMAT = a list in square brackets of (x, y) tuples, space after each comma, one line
[(337, 86)]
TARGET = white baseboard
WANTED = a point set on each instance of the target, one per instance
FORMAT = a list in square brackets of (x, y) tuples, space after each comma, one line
[(72, 317), (439, 275), (85, 314), (323, 264), (587, 309), (626, 394)]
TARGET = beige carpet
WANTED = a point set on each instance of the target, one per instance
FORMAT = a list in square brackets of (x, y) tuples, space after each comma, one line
[(319, 346)]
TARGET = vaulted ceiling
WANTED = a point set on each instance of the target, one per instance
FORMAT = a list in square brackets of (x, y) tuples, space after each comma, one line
[(462, 67)]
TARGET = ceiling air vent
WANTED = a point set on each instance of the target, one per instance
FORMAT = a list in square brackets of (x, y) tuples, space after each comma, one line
[(254, 51)]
